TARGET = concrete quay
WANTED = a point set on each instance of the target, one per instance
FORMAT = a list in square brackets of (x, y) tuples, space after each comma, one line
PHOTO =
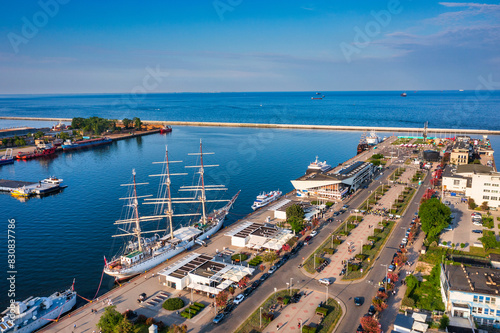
[(292, 126)]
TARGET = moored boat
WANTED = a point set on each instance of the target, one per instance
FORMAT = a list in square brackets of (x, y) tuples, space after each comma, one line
[(52, 180), (143, 253), (35, 312), (165, 129), (70, 145), (7, 157), (318, 166), (264, 199), (40, 151)]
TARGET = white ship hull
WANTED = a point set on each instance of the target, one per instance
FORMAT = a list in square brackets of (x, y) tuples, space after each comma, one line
[(264, 201), (45, 319), (152, 262)]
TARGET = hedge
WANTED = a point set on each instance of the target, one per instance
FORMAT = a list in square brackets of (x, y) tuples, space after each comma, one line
[(308, 329), (173, 304), (329, 251), (373, 238), (322, 311), (236, 257), (199, 305)]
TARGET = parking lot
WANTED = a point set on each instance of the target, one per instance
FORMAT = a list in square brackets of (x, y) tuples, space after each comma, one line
[(462, 226)]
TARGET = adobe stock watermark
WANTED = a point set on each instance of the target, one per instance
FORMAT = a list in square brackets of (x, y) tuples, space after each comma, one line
[(463, 110), (373, 28), (223, 6), (30, 28), (150, 82)]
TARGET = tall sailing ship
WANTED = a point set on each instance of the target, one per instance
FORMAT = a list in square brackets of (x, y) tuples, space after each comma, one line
[(142, 253)]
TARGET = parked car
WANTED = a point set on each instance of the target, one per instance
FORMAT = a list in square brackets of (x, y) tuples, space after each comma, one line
[(358, 301), (360, 329), (219, 318), (313, 233), (325, 281), (307, 239), (247, 291), (272, 270), (229, 308), (238, 299), (391, 268), (477, 231), (255, 284), (371, 310), (294, 250), (264, 277)]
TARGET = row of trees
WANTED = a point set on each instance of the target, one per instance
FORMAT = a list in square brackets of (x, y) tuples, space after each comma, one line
[(97, 125)]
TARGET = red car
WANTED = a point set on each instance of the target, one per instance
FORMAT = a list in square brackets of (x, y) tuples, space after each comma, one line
[(307, 239)]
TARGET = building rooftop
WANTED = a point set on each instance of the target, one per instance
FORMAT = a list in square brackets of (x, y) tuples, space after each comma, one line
[(344, 173), (482, 280), (473, 168), (403, 321)]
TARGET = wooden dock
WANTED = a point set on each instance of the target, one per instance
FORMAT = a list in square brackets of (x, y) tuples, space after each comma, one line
[(38, 188)]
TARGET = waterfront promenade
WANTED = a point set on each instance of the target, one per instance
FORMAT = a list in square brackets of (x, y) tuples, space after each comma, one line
[(451, 131)]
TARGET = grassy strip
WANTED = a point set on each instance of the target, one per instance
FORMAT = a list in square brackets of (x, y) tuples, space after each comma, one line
[(371, 254), (327, 244), (330, 321), (371, 199), (252, 324), (407, 199)]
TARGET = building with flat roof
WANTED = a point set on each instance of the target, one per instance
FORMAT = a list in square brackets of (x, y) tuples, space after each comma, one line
[(257, 236), (334, 185), (201, 272), (472, 292), (461, 152)]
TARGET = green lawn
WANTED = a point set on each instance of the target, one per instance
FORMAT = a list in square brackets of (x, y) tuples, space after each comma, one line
[(330, 321), (427, 294), (252, 324)]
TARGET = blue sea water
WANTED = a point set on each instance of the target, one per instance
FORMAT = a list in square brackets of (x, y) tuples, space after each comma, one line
[(65, 236), (448, 109)]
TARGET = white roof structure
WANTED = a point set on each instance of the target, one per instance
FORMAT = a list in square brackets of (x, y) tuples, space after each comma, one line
[(421, 317), (240, 227), (280, 204), (420, 327)]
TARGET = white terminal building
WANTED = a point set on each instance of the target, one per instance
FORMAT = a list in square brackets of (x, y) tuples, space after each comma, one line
[(334, 185), (201, 272), (475, 181)]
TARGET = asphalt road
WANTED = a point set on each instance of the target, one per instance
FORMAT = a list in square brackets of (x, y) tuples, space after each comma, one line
[(343, 291)]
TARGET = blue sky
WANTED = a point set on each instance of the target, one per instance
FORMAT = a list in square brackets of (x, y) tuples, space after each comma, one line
[(241, 45)]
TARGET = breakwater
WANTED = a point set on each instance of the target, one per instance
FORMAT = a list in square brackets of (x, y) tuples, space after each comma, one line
[(451, 131)]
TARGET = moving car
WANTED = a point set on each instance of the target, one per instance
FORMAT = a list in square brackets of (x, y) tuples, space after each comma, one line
[(358, 301), (219, 318), (325, 281), (239, 299)]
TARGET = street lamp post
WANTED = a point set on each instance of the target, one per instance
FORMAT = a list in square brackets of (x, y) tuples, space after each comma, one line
[(314, 260), (326, 296), (287, 286), (260, 310)]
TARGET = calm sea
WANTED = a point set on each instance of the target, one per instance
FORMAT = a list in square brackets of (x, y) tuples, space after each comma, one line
[(65, 236)]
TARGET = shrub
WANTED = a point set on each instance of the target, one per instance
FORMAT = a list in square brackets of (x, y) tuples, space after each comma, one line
[(337, 241), (141, 319), (360, 256), (173, 304), (378, 230), (308, 329), (353, 268), (201, 306), (322, 311), (462, 245), (286, 300), (444, 322), (373, 238), (329, 251), (150, 321), (267, 317), (367, 247)]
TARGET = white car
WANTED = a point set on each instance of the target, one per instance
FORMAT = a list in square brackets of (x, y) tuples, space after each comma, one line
[(326, 282), (272, 270), (313, 233), (239, 299)]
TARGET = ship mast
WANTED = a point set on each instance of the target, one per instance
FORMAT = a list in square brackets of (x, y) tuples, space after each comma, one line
[(169, 212), (135, 204), (203, 197)]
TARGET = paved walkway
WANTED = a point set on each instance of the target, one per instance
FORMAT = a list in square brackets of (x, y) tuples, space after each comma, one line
[(303, 311)]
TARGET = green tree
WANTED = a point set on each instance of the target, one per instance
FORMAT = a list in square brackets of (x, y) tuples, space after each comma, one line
[(434, 216), (126, 122), (137, 123), (472, 204), (444, 322), (110, 319), (295, 211), (412, 283), (489, 240), (78, 122), (64, 136), (297, 224), (484, 205), (270, 256), (221, 299), (39, 135)]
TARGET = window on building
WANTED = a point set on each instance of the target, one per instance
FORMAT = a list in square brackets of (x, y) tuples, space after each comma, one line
[(498, 313), (495, 185), (481, 299), (474, 309), (479, 310), (475, 298), (493, 300), (487, 184), (487, 300), (494, 198), (486, 197), (487, 191), (486, 311), (456, 182), (494, 191)]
